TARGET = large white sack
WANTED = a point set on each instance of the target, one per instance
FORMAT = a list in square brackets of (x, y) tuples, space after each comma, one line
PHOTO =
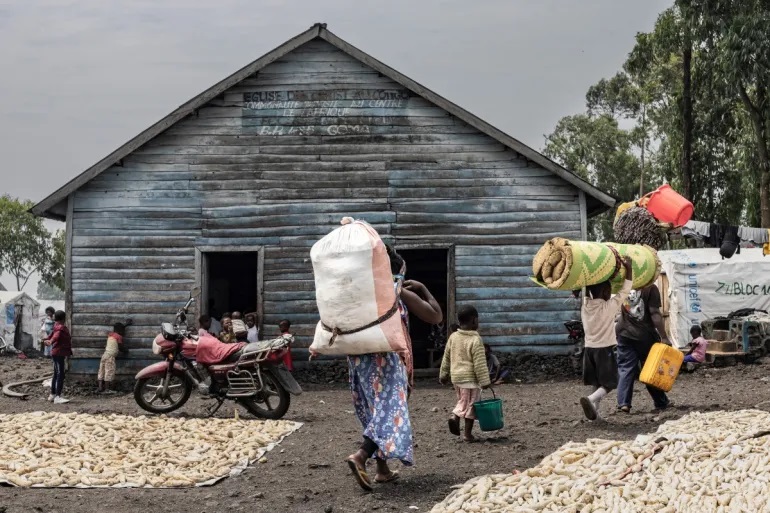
[(354, 287)]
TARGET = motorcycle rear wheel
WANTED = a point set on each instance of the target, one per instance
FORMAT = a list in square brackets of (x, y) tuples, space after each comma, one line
[(146, 392), (271, 403)]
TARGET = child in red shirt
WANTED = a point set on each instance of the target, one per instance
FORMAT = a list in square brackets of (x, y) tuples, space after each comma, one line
[(285, 326), (61, 347)]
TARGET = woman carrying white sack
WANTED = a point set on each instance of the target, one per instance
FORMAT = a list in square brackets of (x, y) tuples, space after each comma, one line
[(381, 382)]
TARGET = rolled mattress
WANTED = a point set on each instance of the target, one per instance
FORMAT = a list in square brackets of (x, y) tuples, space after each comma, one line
[(563, 264)]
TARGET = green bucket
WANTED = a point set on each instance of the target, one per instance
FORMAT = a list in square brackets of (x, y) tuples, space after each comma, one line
[(489, 412)]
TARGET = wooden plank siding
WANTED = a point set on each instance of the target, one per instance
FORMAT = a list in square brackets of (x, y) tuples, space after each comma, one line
[(276, 161)]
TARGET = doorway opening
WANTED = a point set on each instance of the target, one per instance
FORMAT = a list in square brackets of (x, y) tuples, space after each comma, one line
[(431, 268), (230, 282)]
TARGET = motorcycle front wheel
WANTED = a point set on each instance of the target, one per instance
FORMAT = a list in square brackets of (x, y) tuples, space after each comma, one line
[(148, 393), (272, 402)]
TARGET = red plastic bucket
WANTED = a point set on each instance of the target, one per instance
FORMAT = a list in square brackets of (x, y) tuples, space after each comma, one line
[(668, 206)]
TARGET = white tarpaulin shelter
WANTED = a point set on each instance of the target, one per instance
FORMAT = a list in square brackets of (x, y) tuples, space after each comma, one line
[(702, 286), (19, 311)]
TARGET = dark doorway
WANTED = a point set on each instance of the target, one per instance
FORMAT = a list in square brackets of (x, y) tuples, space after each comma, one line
[(428, 266), (230, 282)]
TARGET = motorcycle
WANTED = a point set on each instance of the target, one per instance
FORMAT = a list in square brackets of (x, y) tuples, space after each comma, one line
[(577, 338), (254, 376)]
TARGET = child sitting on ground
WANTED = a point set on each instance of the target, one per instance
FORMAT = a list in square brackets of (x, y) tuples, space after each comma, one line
[(496, 373), (285, 326), (112, 349), (600, 367), (698, 346), (465, 363)]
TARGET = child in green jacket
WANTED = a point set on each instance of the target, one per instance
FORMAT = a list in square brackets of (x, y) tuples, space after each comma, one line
[(465, 363)]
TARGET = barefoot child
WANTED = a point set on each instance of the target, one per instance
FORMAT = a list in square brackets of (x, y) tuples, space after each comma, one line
[(466, 364), (600, 368)]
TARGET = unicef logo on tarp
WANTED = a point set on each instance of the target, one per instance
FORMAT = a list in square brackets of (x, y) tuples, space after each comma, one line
[(691, 264), (695, 307)]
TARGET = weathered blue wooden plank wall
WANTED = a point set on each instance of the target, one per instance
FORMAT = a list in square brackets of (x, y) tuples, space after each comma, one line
[(276, 162)]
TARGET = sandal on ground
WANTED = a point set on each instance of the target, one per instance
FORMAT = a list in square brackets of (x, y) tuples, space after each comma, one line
[(454, 426), (624, 409), (359, 472), (393, 476), (589, 408), (471, 440)]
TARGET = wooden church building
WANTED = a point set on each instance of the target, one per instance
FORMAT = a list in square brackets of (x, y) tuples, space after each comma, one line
[(230, 190)]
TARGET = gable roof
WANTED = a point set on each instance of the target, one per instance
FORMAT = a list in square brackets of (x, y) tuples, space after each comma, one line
[(54, 206)]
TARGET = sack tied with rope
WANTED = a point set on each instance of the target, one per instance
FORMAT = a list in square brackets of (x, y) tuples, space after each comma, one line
[(355, 293)]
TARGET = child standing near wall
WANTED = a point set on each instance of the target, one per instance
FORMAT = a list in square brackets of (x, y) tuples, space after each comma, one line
[(47, 329), (465, 363), (61, 348), (113, 347), (285, 327)]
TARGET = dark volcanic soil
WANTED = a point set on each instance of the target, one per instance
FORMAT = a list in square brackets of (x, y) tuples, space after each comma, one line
[(306, 473)]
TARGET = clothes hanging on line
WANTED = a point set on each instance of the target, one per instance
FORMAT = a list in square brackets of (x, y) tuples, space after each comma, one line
[(696, 229), (731, 243), (755, 235), (716, 235)]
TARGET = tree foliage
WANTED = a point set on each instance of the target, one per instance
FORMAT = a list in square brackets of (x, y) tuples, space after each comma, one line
[(26, 246), (49, 292), (692, 108)]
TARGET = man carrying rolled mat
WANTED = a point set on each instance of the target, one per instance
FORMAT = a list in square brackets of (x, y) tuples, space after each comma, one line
[(641, 325)]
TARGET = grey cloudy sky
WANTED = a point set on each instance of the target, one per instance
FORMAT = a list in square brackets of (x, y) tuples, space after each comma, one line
[(81, 77)]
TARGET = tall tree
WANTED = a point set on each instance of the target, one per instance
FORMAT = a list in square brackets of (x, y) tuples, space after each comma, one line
[(53, 273), (598, 150), (25, 244), (734, 36)]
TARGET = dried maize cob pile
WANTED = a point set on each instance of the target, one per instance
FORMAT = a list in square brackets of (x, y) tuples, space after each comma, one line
[(703, 462), (82, 450)]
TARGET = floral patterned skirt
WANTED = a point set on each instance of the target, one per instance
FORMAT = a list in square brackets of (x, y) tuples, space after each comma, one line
[(379, 386)]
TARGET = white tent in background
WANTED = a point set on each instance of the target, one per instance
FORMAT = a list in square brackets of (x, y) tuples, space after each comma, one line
[(698, 284), (19, 324)]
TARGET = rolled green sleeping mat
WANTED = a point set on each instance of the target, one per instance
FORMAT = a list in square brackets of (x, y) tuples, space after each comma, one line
[(563, 264)]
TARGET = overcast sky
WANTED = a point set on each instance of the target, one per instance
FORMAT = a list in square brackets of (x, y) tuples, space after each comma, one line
[(79, 78)]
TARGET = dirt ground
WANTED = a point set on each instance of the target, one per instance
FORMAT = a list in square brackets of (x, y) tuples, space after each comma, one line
[(306, 472)]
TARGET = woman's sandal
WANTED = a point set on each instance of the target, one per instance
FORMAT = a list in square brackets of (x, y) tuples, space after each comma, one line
[(393, 476), (359, 472)]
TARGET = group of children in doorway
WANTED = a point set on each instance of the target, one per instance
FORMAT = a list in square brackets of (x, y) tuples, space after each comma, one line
[(236, 327)]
